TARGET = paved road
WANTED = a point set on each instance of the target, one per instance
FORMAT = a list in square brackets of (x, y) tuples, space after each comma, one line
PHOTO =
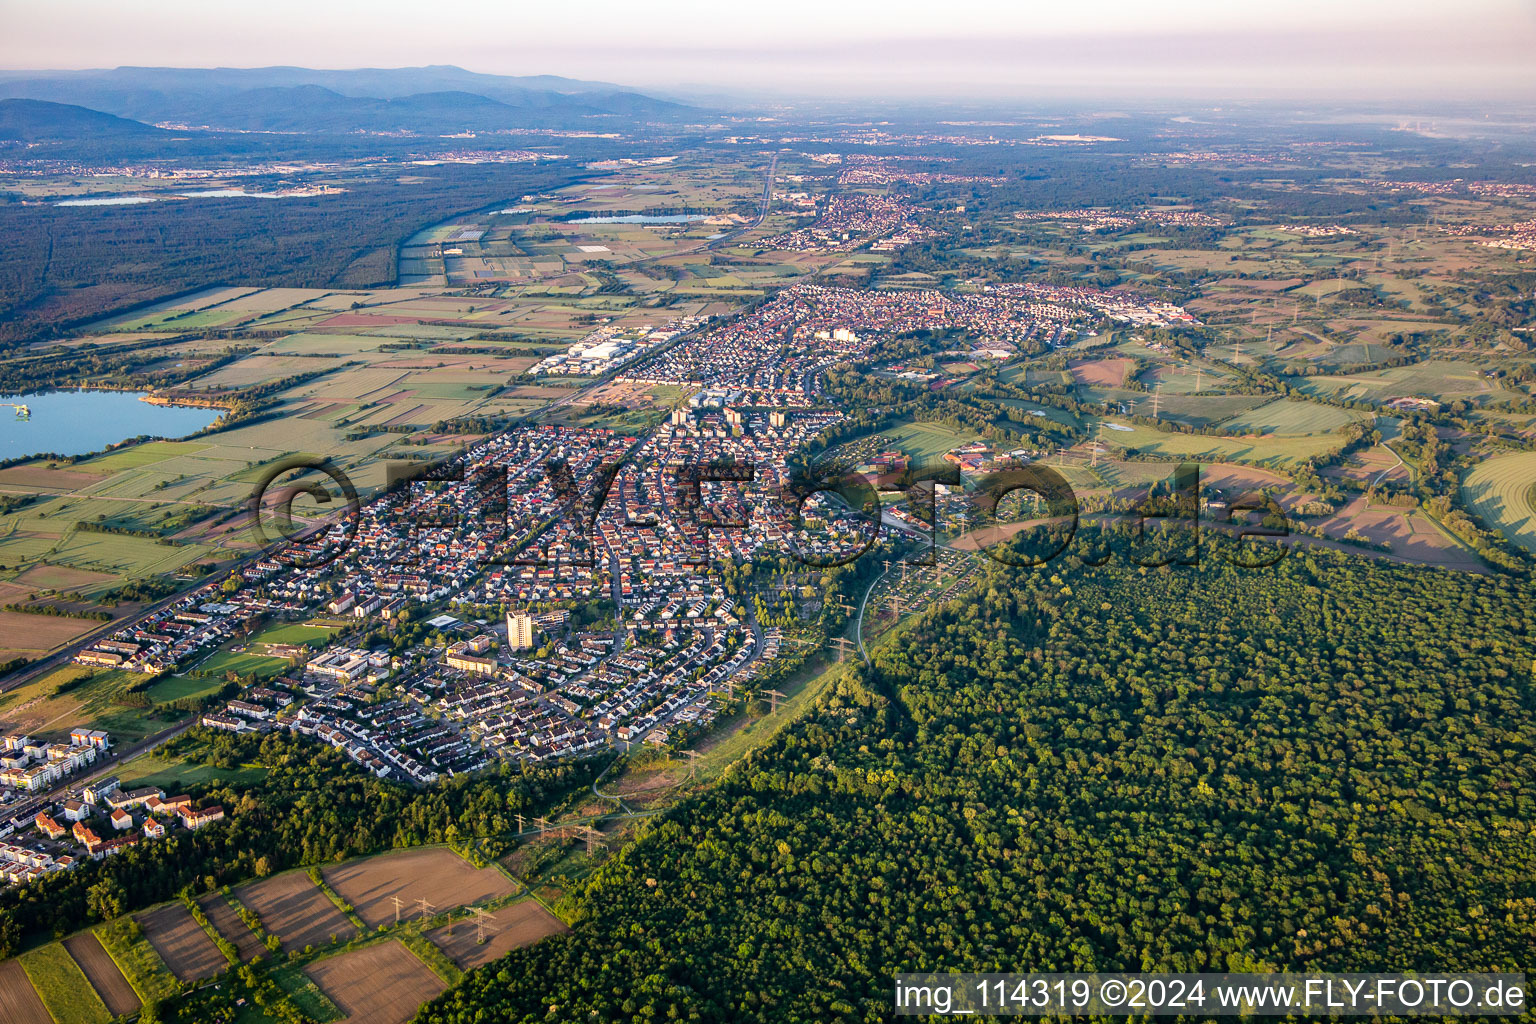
[(1389, 469), (858, 629)]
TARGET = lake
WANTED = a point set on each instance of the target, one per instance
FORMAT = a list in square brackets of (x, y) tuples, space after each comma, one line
[(642, 218), (230, 193), (109, 201), (79, 422), (209, 193)]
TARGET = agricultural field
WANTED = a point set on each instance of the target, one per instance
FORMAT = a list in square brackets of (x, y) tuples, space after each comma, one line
[(1376, 464), (103, 973), (1441, 380), (181, 942), (1502, 492), (518, 924), (440, 876), (34, 636), (292, 908), (19, 1003), (379, 984), (1102, 373), (1406, 534), (63, 987), (227, 922), (1295, 418), (1131, 477), (147, 974), (1238, 480), (304, 994), (1206, 410), (1274, 452)]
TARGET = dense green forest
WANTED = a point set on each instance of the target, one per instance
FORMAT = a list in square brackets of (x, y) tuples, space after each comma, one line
[(63, 265), (310, 805), (1328, 765)]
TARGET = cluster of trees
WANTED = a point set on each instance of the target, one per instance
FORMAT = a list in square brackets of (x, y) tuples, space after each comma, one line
[(1326, 765), (131, 366)]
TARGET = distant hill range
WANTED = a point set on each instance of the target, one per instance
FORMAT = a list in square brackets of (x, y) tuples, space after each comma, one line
[(430, 100), (40, 121)]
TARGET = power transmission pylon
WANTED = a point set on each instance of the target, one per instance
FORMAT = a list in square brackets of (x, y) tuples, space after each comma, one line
[(481, 917), (397, 901), (423, 906), (843, 645), (1157, 402), (593, 837), (693, 761), (774, 696)]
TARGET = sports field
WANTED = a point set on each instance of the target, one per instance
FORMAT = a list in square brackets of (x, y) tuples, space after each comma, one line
[(293, 633), (244, 665), (1502, 491), (177, 687)]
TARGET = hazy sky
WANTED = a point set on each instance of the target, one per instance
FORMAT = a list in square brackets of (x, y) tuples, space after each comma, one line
[(902, 48)]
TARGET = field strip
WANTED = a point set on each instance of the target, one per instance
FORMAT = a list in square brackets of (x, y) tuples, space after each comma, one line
[(137, 959), (103, 973), (19, 1003), (63, 986)]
